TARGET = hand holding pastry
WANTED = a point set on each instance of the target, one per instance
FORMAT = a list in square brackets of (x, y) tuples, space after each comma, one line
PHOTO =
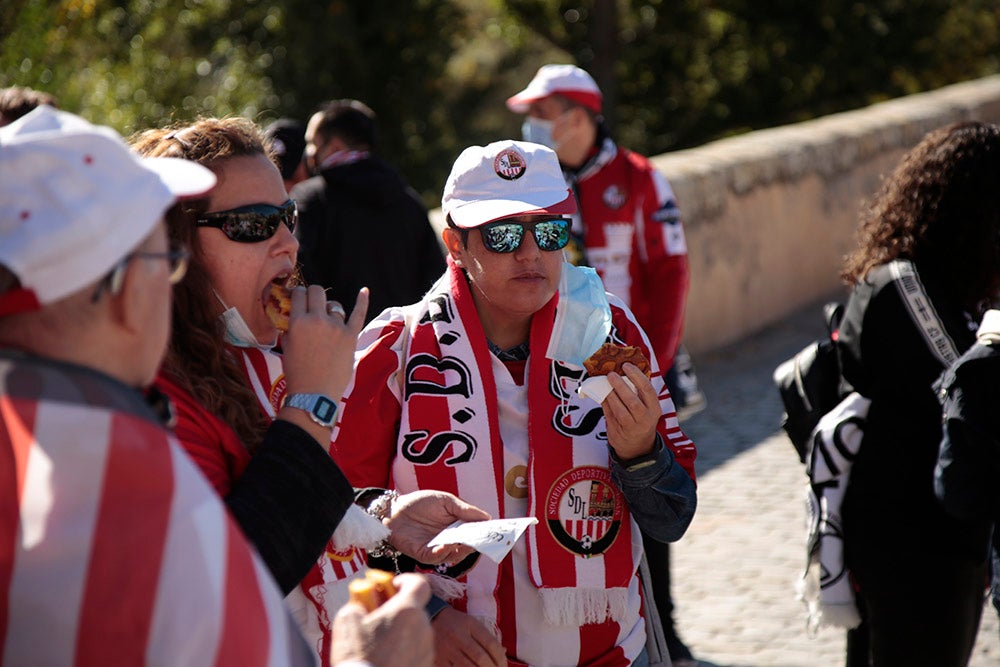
[(396, 633)]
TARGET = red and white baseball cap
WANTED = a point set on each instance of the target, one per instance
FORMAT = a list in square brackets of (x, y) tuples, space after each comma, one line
[(504, 179), (74, 200), (567, 80)]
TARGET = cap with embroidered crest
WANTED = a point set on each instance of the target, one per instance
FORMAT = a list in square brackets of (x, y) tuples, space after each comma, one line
[(567, 80), (75, 200), (505, 179)]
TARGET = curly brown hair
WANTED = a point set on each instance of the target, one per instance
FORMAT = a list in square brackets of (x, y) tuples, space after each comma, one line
[(939, 209), (197, 359)]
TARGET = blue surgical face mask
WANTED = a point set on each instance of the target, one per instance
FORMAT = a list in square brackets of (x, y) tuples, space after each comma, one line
[(583, 315), (540, 131), (238, 333)]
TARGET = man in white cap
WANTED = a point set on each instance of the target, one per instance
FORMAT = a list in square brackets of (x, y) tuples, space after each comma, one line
[(629, 228), (113, 547), (441, 400)]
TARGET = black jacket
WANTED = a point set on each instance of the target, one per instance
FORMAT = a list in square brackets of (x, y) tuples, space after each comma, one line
[(361, 224), (891, 358), (967, 477)]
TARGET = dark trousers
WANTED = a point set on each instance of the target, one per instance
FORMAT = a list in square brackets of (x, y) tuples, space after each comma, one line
[(658, 558), (919, 609)]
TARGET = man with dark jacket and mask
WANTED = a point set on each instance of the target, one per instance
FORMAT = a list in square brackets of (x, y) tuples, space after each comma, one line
[(360, 223)]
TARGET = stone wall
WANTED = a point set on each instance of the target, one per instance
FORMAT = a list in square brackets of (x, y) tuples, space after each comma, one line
[(769, 215)]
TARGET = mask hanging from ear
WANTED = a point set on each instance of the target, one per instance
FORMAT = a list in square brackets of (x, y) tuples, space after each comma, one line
[(238, 333), (583, 315)]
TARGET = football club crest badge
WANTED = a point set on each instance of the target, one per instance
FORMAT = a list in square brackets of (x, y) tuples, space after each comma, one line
[(584, 510), (510, 164)]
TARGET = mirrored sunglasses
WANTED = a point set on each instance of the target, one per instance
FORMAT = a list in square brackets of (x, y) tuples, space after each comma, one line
[(506, 237), (254, 223)]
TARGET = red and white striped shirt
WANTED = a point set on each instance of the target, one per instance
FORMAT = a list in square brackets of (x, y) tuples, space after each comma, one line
[(113, 547)]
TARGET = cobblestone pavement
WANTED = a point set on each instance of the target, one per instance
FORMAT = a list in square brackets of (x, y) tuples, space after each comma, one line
[(735, 569)]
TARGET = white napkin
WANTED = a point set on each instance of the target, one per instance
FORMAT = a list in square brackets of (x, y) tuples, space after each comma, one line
[(598, 387), (493, 539)]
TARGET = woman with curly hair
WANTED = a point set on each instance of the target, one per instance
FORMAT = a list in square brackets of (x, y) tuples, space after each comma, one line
[(256, 421), (926, 268)]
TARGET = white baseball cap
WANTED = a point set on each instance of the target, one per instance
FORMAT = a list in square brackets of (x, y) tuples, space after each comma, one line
[(74, 200), (504, 179), (567, 80)]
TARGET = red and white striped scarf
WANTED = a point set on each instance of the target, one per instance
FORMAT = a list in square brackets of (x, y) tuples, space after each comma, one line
[(113, 547), (581, 553), (324, 588)]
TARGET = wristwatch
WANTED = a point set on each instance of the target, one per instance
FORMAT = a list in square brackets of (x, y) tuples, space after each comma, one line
[(322, 409)]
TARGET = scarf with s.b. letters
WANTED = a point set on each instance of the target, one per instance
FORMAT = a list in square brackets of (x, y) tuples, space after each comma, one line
[(580, 554)]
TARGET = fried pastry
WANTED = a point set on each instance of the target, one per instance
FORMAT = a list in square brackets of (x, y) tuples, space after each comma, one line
[(278, 306), (611, 357), (373, 590)]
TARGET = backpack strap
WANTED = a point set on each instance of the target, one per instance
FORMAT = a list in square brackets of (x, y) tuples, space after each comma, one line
[(922, 311)]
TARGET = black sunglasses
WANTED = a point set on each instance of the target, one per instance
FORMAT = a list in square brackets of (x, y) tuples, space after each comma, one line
[(506, 237), (254, 223)]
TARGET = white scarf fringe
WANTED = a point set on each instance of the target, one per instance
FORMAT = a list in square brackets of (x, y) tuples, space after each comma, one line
[(583, 606), (446, 588)]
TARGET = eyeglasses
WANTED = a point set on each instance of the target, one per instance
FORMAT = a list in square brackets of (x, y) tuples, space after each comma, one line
[(177, 261), (506, 237), (254, 223)]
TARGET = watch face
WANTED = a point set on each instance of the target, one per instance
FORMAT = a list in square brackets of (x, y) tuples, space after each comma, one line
[(325, 409)]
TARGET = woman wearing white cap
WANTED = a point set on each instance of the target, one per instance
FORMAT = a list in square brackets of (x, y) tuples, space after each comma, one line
[(469, 391)]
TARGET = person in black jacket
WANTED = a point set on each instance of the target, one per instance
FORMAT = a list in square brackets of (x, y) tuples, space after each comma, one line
[(360, 223), (968, 464), (925, 270)]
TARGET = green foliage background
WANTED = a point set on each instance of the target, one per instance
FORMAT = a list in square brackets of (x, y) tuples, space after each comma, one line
[(675, 73)]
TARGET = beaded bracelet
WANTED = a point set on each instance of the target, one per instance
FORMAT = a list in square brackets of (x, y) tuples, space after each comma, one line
[(381, 509)]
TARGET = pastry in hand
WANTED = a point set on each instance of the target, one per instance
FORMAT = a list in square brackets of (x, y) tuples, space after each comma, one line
[(372, 591), (278, 305), (611, 357)]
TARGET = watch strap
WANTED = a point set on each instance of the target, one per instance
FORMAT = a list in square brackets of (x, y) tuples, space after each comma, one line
[(321, 408)]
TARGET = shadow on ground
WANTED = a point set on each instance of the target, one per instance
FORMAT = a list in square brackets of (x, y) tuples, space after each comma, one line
[(743, 404)]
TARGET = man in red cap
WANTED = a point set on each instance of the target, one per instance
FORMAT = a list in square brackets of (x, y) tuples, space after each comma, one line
[(628, 228)]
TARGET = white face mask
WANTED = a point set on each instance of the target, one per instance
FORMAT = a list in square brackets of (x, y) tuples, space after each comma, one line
[(238, 333), (539, 131)]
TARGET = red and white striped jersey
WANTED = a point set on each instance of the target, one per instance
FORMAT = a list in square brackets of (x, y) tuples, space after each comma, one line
[(113, 547)]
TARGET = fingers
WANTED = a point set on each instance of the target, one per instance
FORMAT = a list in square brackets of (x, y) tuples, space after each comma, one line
[(487, 650), (447, 553), (464, 511), (312, 299), (349, 617), (411, 590), (357, 320), (348, 634), (644, 388), (462, 640), (299, 300)]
